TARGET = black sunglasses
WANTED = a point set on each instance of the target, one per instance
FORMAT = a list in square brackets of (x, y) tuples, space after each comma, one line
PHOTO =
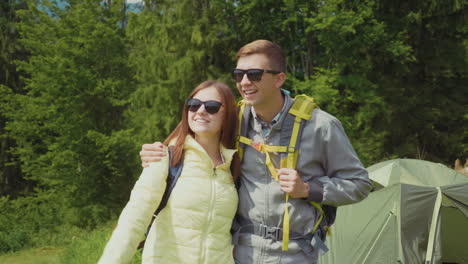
[(211, 106), (254, 75)]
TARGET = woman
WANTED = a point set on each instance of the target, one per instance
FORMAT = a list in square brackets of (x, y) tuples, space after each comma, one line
[(194, 226)]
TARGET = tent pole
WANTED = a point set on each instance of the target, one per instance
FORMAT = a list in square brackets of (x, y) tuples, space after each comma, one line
[(432, 230), (390, 214)]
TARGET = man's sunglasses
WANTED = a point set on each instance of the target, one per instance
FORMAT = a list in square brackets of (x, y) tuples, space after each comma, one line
[(211, 106), (254, 75)]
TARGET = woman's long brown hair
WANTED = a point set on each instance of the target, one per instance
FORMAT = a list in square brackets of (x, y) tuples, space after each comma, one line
[(228, 129)]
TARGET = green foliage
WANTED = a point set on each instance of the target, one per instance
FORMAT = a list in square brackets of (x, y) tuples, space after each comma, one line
[(88, 247), (177, 45), (69, 125), (35, 220), (10, 49), (389, 98), (45, 255), (11, 237), (283, 22), (11, 181)]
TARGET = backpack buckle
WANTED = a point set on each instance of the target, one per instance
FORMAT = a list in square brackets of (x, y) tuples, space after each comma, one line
[(258, 146), (270, 232)]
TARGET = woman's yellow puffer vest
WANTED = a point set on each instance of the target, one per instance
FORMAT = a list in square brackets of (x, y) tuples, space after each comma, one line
[(194, 227)]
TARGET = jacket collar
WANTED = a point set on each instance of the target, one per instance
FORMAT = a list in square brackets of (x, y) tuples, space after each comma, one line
[(191, 143), (288, 102), (248, 113)]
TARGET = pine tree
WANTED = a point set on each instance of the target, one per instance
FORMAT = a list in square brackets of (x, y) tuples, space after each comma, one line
[(11, 180), (393, 76), (176, 46), (69, 125)]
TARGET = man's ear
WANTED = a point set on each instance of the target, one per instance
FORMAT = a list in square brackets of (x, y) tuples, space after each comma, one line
[(280, 79)]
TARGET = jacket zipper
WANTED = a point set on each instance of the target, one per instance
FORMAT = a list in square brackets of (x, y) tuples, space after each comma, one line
[(210, 214)]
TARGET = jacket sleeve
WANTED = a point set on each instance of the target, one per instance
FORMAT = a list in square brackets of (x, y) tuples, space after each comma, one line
[(346, 180), (136, 216)]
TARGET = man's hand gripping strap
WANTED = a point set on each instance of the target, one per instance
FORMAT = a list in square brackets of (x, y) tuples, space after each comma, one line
[(302, 109)]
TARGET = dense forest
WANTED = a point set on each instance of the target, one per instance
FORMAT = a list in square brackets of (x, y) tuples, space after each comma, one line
[(83, 83)]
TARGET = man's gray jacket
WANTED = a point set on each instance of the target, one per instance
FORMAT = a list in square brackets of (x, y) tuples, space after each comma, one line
[(327, 162)]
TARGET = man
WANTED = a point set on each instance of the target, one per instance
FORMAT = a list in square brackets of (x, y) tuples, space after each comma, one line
[(328, 170)]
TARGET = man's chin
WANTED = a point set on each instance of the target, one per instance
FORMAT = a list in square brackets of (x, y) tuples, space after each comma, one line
[(249, 102)]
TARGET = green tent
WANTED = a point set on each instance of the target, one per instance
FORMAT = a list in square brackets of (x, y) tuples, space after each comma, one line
[(417, 213)]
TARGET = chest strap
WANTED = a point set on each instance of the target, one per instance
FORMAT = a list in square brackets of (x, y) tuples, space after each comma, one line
[(307, 243), (266, 149)]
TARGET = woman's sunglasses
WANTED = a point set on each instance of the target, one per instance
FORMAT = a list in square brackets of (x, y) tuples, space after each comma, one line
[(211, 106), (254, 75)]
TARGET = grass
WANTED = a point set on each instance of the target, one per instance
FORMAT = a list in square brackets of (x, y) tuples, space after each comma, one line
[(88, 248), (34, 256), (84, 248)]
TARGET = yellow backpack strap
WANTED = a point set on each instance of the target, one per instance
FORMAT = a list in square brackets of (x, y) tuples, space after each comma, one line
[(303, 106), (318, 206), (301, 109), (240, 150), (264, 148)]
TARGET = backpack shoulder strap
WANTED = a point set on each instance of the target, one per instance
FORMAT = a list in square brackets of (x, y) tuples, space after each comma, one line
[(172, 177), (291, 132), (243, 118), (303, 106), (293, 124), (302, 109)]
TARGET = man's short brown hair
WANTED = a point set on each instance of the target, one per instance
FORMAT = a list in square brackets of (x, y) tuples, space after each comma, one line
[(271, 50)]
